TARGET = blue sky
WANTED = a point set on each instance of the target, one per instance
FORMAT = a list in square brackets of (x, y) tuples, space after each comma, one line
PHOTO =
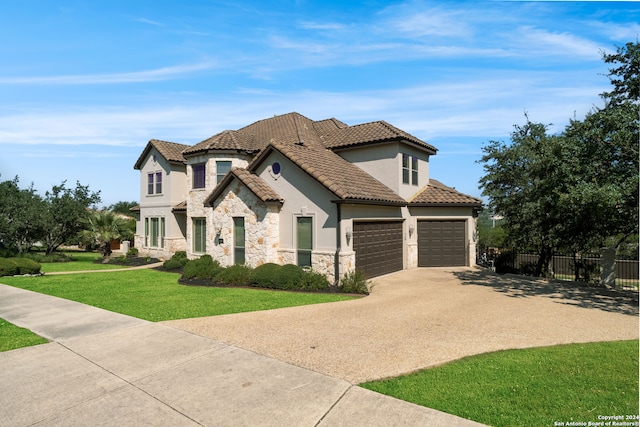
[(84, 84)]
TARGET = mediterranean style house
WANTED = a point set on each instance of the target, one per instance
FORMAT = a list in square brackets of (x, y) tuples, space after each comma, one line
[(291, 190)]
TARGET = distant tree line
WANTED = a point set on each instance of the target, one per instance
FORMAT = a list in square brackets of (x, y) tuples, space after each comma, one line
[(63, 215), (578, 190)]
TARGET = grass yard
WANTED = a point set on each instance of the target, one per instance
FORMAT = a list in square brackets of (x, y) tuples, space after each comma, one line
[(12, 337), (80, 261), (157, 296), (531, 387)]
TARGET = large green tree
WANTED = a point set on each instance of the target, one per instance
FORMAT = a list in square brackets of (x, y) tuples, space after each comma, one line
[(578, 190), (67, 210), (21, 216)]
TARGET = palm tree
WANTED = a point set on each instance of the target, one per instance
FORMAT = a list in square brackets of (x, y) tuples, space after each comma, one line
[(101, 228)]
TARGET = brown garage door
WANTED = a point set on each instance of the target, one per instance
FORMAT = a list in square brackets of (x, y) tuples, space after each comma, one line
[(441, 244), (378, 247)]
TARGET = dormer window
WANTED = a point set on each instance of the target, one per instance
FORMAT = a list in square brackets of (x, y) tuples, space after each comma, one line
[(409, 169)]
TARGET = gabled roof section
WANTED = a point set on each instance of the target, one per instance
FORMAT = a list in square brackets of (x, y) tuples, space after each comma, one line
[(347, 181), (257, 185), (438, 194), (171, 151), (370, 133)]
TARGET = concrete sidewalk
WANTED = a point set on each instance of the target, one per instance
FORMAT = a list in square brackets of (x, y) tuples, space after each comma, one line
[(104, 368)]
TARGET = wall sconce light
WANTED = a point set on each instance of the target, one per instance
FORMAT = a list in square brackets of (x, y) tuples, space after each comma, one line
[(348, 234), (218, 229), (412, 229)]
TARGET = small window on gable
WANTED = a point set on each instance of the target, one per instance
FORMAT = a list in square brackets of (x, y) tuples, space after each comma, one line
[(409, 169), (199, 171), (158, 182)]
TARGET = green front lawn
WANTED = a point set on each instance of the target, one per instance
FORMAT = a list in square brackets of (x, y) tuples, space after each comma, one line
[(12, 337), (531, 387), (157, 296), (80, 261)]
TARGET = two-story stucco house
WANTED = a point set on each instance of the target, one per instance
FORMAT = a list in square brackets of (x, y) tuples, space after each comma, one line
[(321, 194)]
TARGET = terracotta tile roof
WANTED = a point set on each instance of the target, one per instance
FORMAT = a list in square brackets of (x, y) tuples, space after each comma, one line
[(438, 194), (253, 182), (293, 128), (172, 151), (344, 179), (369, 133), (180, 207), (289, 128)]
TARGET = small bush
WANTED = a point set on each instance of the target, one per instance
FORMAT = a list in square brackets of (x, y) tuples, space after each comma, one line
[(204, 267), (132, 252), (181, 257), (8, 267), (266, 276), (172, 264), (26, 266), (354, 283), (313, 281), (291, 277), (235, 275)]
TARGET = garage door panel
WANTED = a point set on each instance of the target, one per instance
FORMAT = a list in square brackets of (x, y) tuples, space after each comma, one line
[(378, 247), (441, 243)]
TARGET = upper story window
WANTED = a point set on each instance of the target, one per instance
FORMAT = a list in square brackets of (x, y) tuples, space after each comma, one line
[(154, 183), (199, 173), (409, 169), (222, 167)]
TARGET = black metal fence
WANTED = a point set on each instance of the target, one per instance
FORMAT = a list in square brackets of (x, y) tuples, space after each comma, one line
[(562, 267)]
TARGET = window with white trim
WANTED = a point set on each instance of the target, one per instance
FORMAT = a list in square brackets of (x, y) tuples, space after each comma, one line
[(409, 169)]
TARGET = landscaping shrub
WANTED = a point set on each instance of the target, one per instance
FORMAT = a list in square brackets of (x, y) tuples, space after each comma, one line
[(291, 277), (41, 257), (132, 252), (26, 266), (235, 275), (8, 267), (266, 276), (180, 256), (314, 281), (172, 264), (204, 267), (354, 283)]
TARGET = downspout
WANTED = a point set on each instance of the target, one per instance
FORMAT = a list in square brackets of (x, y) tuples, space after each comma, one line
[(336, 262)]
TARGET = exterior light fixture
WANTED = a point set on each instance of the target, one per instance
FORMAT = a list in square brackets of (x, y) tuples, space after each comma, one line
[(412, 229), (348, 234)]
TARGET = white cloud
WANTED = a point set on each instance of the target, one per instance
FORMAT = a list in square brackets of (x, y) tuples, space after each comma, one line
[(545, 42), (164, 73)]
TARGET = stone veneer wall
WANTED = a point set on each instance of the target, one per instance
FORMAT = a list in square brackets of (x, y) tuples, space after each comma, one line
[(261, 221)]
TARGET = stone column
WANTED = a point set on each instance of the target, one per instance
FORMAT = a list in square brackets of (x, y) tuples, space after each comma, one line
[(608, 267)]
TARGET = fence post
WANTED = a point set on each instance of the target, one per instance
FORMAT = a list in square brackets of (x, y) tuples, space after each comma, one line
[(608, 267)]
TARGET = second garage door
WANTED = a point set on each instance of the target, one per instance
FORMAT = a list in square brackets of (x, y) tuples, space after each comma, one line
[(441, 244), (378, 247)]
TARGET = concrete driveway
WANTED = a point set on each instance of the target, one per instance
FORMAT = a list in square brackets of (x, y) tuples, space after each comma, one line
[(420, 318)]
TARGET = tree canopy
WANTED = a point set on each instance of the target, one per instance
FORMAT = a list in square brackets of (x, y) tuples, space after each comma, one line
[(27, 218), (577, 190)]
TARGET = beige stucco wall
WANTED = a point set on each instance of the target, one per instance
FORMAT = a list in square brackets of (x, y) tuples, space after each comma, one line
[(303, 196), (384, 162), (160, 205)]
